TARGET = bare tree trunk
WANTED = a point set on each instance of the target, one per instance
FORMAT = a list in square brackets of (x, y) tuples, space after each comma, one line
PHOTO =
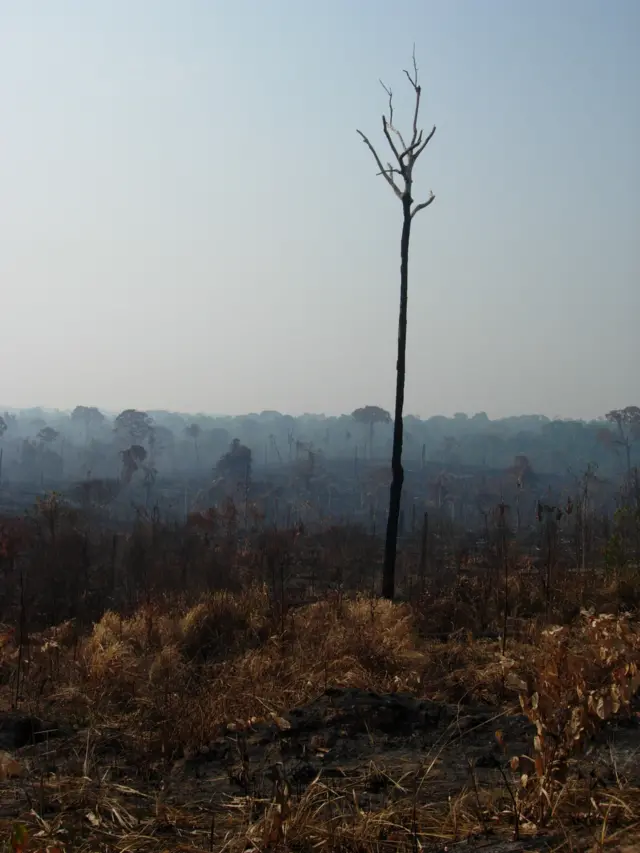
[(405, 155), (397, 471)]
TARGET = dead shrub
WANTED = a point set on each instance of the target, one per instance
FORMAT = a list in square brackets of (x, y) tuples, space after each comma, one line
[(223, 622)]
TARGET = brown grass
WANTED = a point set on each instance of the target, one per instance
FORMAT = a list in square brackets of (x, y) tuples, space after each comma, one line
[(166, 681)]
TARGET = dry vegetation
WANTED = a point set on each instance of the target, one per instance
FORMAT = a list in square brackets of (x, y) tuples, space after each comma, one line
[(185, 718)]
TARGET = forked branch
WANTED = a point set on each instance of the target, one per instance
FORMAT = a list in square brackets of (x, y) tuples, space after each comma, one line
[(418, 90), (422, 205), (383, 171), (404, 155), (391, 125)]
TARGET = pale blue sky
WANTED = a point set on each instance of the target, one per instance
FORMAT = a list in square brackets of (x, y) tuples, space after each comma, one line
[(189, 221)]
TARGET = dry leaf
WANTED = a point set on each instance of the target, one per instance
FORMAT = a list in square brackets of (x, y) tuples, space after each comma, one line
[(539, 765), (281, 723), (9, 767)]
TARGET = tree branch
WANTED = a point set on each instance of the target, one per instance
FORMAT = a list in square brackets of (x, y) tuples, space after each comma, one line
[(390, 94), (422, 205), (418, 90), (385, 127), (383, 172), (391, 124), (413, 80), (425, 143), (408, 154)]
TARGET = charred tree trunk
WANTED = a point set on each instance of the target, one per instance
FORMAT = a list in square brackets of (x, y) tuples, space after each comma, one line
[(399, 176), (397, 471)]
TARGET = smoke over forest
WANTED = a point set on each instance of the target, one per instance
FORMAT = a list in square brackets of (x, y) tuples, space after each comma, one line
[(183, 462)]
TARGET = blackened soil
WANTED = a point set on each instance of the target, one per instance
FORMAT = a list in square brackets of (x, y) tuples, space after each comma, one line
[(351, 733), (375, 745)]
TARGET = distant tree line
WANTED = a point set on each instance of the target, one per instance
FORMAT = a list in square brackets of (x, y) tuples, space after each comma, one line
[(43, 445)]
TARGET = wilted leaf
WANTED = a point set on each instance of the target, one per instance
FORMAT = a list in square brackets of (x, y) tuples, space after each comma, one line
[(274, 833), (9, 767), (605, 707), (615, 698)]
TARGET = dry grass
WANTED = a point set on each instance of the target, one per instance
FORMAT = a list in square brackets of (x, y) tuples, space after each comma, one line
[(223, 660), (94, 815), (168, 680)]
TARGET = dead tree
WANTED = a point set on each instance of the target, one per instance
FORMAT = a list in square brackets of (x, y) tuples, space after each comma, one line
[(399, 176)]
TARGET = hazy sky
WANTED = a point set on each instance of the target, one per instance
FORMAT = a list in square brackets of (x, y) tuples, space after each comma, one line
[(188, 219)]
